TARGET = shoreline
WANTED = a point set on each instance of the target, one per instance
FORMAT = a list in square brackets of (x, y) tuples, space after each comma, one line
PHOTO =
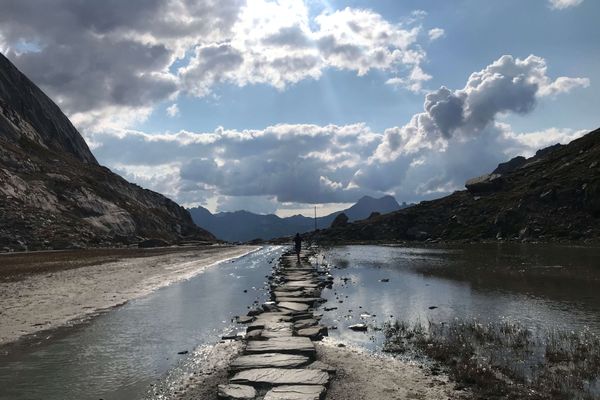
[(40, 303), (355, 373)]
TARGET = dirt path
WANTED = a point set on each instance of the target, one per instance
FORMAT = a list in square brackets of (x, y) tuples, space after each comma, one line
[(47, 300)]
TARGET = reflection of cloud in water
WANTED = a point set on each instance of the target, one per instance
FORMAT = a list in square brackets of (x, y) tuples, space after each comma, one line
[(409, 294)]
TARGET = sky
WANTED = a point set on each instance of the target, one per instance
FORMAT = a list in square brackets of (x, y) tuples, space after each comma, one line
[(278, 106)]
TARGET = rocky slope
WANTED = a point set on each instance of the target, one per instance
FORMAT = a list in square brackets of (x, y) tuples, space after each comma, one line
[(553, 196), (243, 226), (53, 193)]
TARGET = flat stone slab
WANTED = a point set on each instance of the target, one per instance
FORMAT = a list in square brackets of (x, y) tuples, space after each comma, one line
[(305, 323), (292, 344), (293, 306), (289, 293), (296, 392), (236, 392), (269, 360), (280, 329), (322, 366), (281, 376), (308, 300), (267, 319), (314, 332), (305, 283)]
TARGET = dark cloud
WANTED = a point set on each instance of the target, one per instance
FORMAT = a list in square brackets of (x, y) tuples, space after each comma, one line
[(95, 54)]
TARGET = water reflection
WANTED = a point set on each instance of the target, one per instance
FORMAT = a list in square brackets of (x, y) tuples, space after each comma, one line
[(539, 286), (120, 353)]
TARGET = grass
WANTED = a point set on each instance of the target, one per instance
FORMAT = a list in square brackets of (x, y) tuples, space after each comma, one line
[(506, 360)]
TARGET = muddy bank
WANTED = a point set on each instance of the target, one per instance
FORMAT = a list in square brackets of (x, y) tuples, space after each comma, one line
[(362, 375), (62, 287)]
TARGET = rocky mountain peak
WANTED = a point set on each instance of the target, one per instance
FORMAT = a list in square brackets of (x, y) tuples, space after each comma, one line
[(28, 115)]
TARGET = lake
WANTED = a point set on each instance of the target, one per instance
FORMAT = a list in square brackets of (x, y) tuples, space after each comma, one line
[(540, 286)]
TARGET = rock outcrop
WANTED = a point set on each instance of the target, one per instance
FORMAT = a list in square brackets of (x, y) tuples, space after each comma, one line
[(552, 196), (340, 221), (54, 194)]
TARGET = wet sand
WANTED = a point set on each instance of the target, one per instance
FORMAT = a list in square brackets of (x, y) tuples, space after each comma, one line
[(366, 376), (47, 290)]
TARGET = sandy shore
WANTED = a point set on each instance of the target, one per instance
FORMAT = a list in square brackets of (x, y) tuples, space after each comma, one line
[(365, 376), (47, 298)]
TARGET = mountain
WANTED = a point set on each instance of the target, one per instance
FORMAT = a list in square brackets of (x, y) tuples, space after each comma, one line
[(243, 226), (552, 196), (53, 192)]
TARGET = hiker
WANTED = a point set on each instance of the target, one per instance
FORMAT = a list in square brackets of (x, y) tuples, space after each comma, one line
[(298, 245)]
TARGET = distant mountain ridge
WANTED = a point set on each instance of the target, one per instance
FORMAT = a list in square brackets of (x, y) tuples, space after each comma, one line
[(552, 196), (243, 226), (53, 192)]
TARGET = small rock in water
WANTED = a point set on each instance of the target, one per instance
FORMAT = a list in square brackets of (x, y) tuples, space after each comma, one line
[(358, 327), (384, 280), (433, 307), (183, 352)]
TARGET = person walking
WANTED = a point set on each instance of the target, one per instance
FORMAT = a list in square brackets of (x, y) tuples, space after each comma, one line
[(298, 245)]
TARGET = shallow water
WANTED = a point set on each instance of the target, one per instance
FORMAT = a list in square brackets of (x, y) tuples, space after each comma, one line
[(540, 286), (119, 354)]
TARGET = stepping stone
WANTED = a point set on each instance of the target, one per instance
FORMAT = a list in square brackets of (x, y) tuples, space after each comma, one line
[(322, 366), (280, 329), (269, 318), (305, 323), (308, 300), (245, 319), (296, 392), (293, 306), (269, 360), (236, 392), (300, 316), (314, 332), (281, 376), (255, 334), (290, 293), (292, 344)]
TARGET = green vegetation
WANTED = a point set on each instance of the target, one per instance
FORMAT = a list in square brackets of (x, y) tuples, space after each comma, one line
[(506, 360)]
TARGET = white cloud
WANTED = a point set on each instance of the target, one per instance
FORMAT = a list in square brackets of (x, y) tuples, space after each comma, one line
[(100, 58), (436, 33), (507, 85), (173, 110), (562, 4), (276, 43), (456, 137)]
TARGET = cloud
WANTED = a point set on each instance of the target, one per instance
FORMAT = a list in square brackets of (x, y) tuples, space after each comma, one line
[(173, 110), (101, 58), (436, 33), (507, 85), (457, 135), (292, 163), (562, 4), (277, 43), (97, 59)]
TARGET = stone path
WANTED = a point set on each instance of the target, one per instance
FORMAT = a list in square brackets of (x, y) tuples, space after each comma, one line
[(279, 361)]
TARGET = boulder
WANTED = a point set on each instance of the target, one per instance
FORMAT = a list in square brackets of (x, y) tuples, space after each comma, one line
[(340, 221), (485, 183)]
